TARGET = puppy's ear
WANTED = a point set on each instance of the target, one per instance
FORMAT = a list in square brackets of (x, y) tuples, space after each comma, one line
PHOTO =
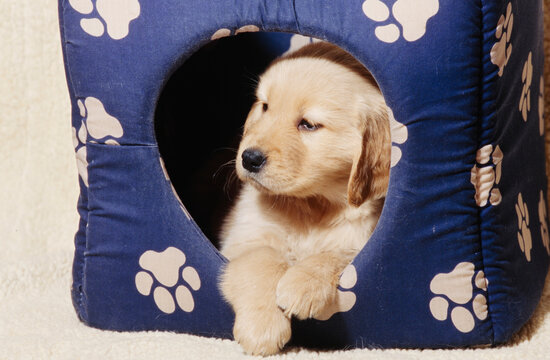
[(370, 172)]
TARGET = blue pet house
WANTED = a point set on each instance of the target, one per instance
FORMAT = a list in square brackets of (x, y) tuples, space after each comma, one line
[(460, 254)]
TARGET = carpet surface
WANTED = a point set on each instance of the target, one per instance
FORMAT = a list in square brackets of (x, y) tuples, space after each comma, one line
[(38, 195)]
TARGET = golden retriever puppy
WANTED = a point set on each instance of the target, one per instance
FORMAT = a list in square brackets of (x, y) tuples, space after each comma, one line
[(315, 161)]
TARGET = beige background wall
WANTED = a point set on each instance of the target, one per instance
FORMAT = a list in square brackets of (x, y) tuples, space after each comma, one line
[(38, 178), (38, 194)]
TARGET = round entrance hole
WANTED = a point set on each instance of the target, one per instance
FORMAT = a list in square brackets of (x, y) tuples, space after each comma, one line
[(200, 116)]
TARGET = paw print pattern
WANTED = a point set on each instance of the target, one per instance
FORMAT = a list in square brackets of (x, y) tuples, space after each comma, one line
[(485, 176), (526, 79), (97, 126), (227, 32), (524, 234), (81, 154), (502, 49), (399, 135), (541, 106), (345, 298), (412, 15), (116, 15), (297, 41), (164, 268), (456, 288), (167, 178), (543, 218)]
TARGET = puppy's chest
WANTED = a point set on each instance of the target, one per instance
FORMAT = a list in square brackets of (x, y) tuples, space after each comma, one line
[(345, 236), (295, 232)]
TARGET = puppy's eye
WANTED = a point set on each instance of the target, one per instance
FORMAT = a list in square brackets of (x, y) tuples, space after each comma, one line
[(264, 107), (306, 125)]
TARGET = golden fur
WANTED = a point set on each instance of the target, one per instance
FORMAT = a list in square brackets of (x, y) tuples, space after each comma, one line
[(304, 216)]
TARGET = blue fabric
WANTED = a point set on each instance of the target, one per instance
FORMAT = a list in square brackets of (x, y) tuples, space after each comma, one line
[(443, 86)]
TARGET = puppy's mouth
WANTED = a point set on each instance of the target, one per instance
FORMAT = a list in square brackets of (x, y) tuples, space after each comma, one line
[(269, 186), (254, 181)]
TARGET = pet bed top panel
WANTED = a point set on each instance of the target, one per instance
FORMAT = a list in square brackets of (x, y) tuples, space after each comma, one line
[(460, 253)]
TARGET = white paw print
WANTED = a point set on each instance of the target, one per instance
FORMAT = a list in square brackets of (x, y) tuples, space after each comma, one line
[(297, 41), (98, 126), (502, 49), (526, 79), (486, 174), (456, 287), (164, 267), (412, 15), (543, 218), (541, 106), (399, 135), (227, 32), (116, 15), (167, 178), (524, 234), (345, 299)]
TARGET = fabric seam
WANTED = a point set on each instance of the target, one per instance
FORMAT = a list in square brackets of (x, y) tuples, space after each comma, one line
[(492, 130)]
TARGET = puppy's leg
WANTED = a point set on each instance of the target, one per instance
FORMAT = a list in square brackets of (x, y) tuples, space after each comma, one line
[(248, 283), (311, 285)]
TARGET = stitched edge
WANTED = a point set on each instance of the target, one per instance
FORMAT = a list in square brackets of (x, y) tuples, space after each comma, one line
[(489, 124)]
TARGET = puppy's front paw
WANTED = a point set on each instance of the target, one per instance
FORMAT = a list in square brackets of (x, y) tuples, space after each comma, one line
[(303, 294), (262, 332)]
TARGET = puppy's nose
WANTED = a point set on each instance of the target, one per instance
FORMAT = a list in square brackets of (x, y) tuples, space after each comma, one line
[(253, 160)]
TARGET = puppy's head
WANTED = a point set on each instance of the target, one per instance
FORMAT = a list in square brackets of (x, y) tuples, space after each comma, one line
[(319, 127)]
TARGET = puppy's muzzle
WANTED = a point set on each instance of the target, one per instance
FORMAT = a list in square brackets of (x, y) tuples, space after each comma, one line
[(253, 160)]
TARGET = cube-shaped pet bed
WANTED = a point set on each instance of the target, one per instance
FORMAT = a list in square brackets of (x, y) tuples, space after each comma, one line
[(460, 253)]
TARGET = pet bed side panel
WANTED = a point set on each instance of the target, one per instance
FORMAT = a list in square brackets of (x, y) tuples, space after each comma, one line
[(514, 229)]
